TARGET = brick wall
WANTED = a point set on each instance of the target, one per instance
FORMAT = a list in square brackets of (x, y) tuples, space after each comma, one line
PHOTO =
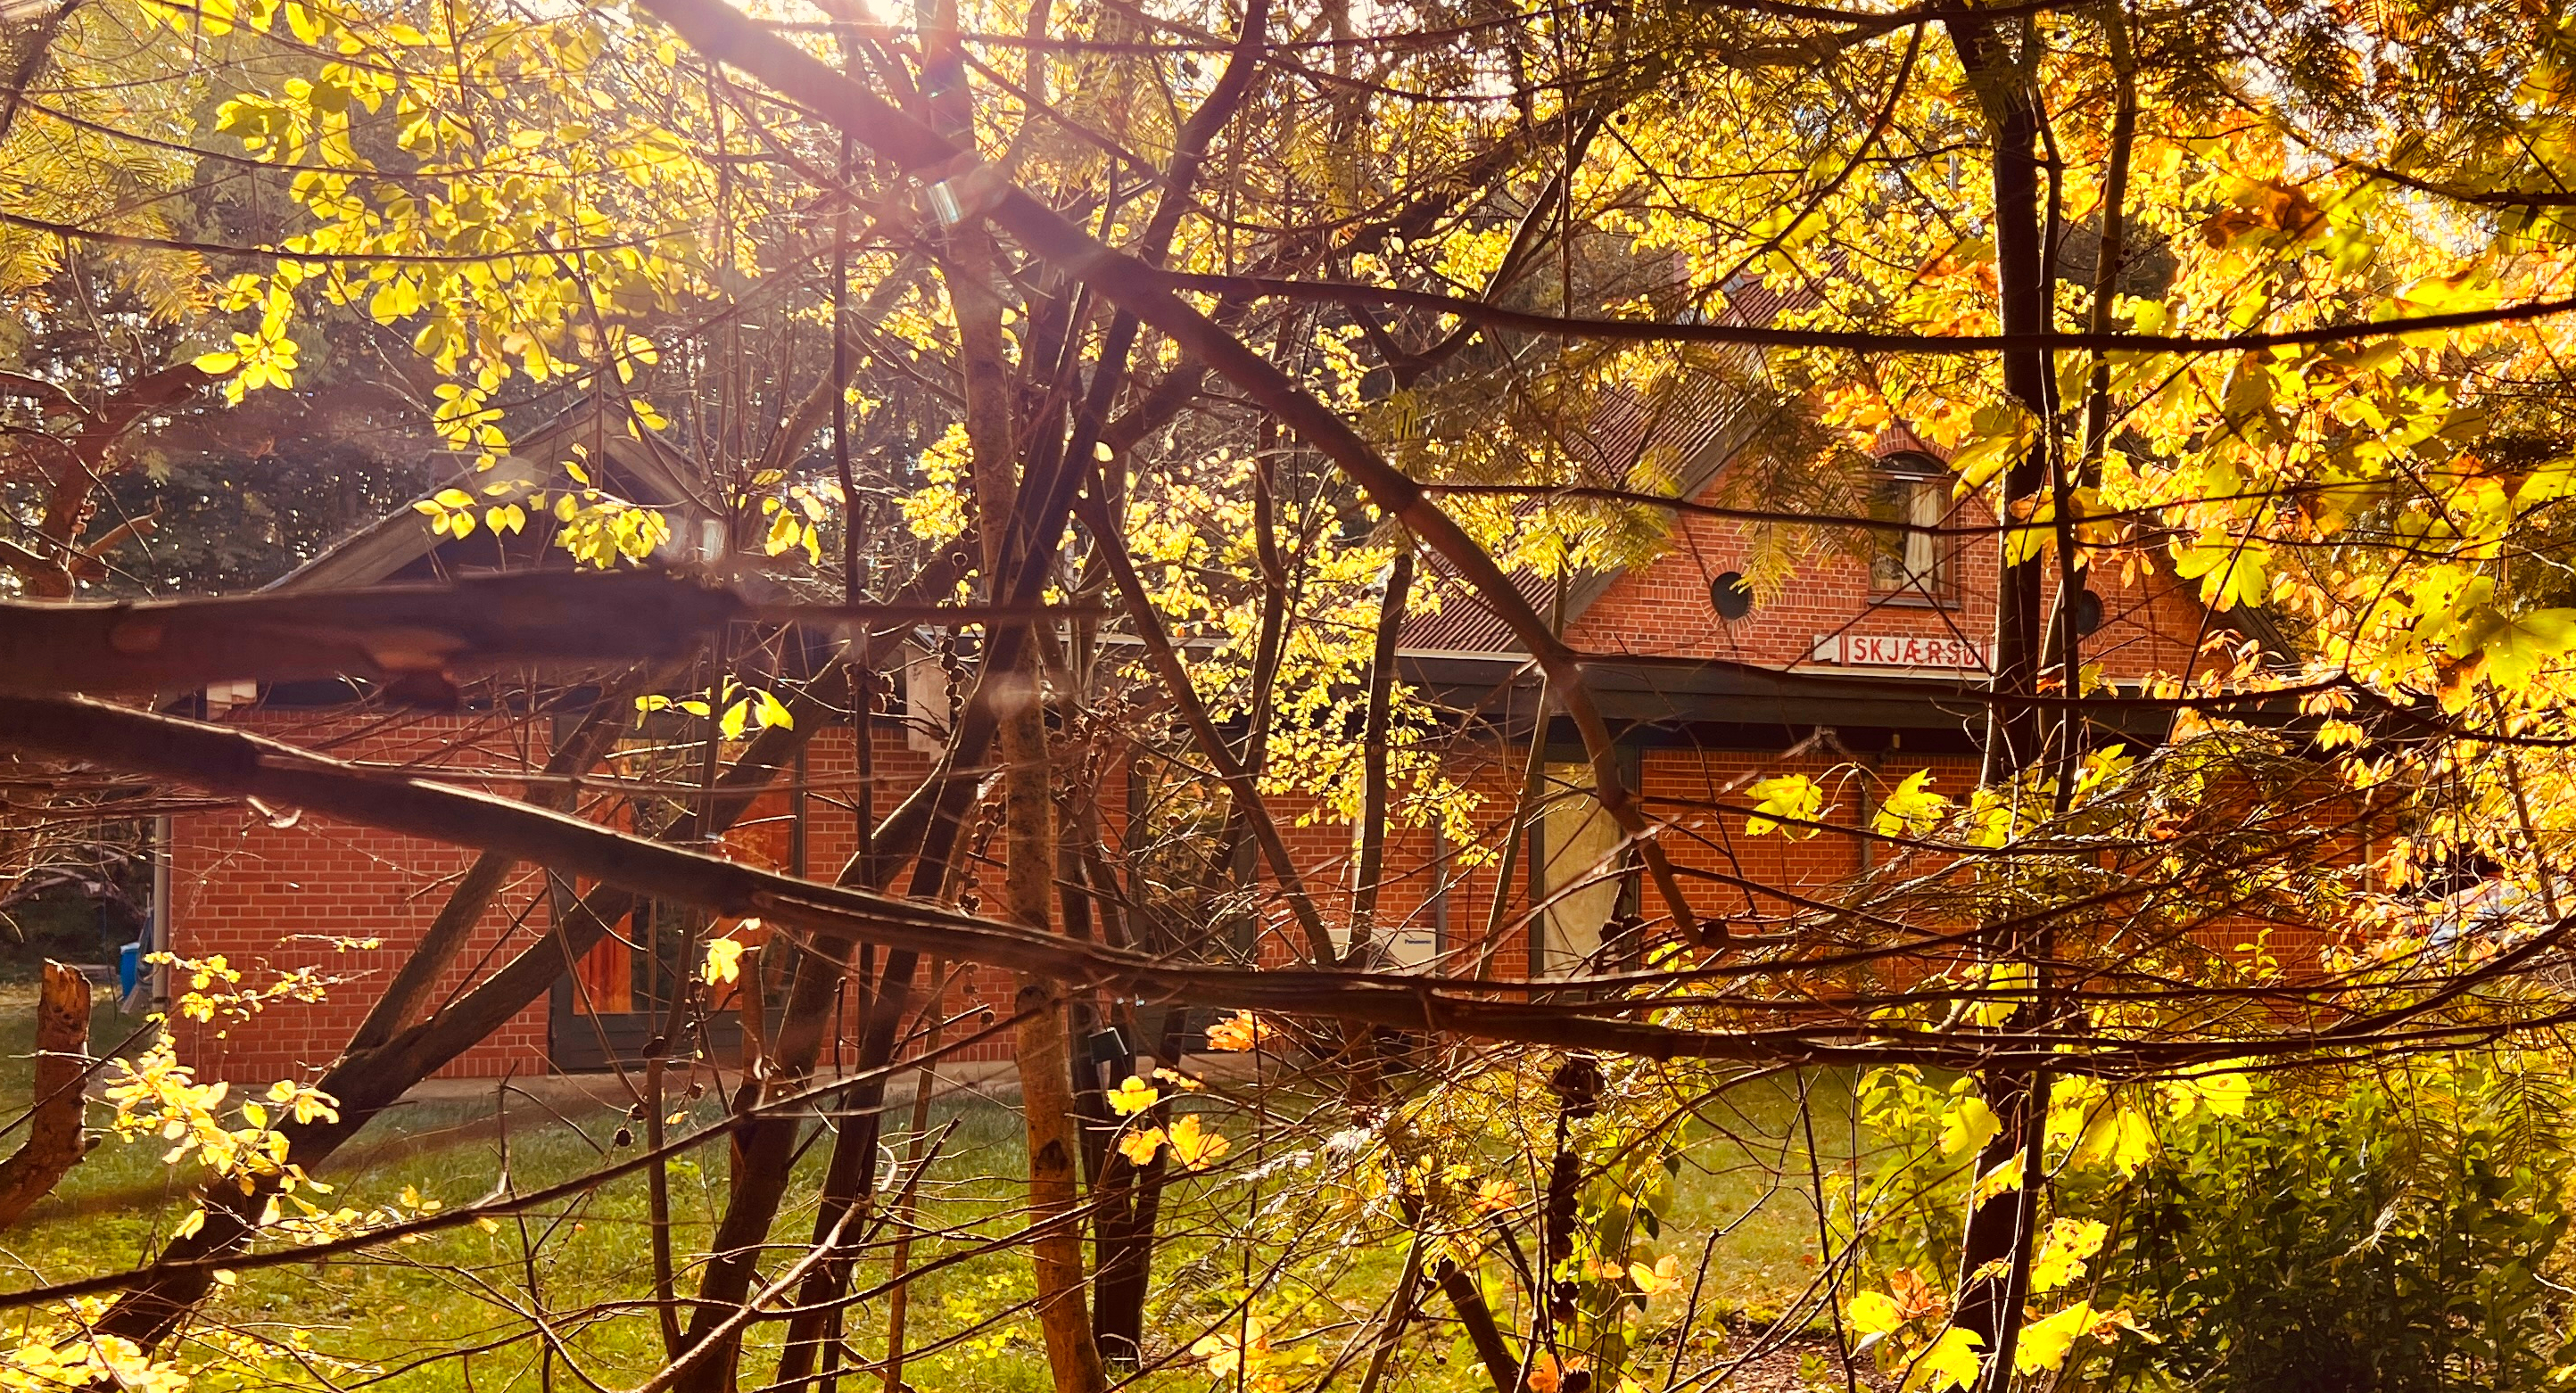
[(270, 891), (2151, 623), (266, 891), (1747, 883)]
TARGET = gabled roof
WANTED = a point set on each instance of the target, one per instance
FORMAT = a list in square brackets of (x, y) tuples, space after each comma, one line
[(643, 471), (1702, 427)]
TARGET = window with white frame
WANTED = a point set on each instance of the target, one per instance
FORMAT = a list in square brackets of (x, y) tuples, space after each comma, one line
[(1911, 488)]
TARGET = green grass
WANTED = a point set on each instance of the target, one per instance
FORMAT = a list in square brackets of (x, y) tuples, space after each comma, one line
[(398, 1310)]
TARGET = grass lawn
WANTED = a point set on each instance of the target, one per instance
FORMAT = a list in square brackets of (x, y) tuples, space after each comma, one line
[(1744, 1180)]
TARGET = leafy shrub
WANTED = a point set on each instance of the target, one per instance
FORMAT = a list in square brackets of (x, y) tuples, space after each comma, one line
[(2390, 1230), (2385, 1232)]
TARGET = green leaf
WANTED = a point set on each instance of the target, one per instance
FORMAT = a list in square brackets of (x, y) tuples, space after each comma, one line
[(2514, 648)]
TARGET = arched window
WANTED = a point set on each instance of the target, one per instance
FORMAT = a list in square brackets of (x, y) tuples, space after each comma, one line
[(1914, 488)]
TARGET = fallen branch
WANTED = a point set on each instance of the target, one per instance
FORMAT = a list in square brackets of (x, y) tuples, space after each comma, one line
[(241, 765)]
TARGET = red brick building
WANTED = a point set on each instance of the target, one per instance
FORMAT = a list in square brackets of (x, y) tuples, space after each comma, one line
[(1860, 664)]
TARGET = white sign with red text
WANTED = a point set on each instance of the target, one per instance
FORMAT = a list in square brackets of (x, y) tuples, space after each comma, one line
[(1942, 654)]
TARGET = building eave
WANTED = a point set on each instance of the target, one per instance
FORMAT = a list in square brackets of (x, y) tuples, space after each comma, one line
[(656, 473)]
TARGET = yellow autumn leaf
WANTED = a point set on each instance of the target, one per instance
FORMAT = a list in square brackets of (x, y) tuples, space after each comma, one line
[(2232, 573), (2003, 434), (2072, 1105), (1968, 1126), (1139, 1145), (1793, 796), (2515, 647), (1995, 1009), (1194, 1146), (1951, 1362), (2120, 1136), (1547, 1375), (724, 960), (2062, 1251), (2002, 1177), (2224, 1094), (1664, 1276), (2044, 1342), (2136, 1143), (1225, 1349), (1237, 1033), (395, 299), (1133, 1097), (1911, 808), (1873, 1313)]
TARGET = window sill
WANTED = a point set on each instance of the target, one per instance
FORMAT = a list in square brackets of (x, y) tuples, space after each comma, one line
[(1910, 599)]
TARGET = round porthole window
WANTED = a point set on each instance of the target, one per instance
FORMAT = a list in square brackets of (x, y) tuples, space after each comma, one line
[(2086, 611), (1732, 595)]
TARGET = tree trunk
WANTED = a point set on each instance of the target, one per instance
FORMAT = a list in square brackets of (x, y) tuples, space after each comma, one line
[(1374, 799), (1994, 1249), (1483, 1331), (1130, 1203), (55, 1142), (1046, 1070)]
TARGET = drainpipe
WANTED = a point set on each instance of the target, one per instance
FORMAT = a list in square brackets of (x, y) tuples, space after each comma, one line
[(156, 932)]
